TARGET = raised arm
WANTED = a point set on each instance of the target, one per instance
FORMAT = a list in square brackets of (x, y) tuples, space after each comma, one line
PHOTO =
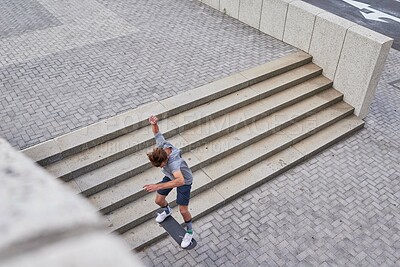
[(153, 121)]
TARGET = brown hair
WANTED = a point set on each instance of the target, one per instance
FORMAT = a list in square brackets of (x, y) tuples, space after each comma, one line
[(157, 157)]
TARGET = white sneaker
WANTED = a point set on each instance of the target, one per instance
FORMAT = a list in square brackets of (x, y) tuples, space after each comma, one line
[(187, 240), (161, 216)]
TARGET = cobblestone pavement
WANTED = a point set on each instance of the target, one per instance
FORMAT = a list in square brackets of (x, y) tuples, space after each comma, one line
[(66, 66), (63, 67)]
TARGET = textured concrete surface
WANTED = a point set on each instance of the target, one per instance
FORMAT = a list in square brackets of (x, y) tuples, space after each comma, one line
[(249, 12), (273, 17), (44, 223), (34, 196), (230, 7), (340, 208), (213, 3), (357, 79), (327, 41), (299, 26)]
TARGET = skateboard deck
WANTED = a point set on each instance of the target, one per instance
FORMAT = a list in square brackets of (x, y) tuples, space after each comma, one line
[(176, 231)]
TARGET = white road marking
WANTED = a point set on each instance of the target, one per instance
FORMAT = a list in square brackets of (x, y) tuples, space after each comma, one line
[(375, 14)]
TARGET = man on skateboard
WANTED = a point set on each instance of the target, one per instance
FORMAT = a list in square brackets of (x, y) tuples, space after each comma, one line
[(177, 174)]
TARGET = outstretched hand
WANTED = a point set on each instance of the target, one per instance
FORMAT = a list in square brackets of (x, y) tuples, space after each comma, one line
[(150, 187), (153, 120)]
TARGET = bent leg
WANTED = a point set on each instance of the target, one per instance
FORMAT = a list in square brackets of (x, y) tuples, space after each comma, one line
[(160, 200), (187, 239), (182, 199), (162, 194), (184, 210)]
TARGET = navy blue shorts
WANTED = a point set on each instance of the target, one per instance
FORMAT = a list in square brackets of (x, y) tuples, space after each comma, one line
[(183, 192)]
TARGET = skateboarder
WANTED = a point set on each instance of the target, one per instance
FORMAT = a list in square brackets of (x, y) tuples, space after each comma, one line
[(177, 174)]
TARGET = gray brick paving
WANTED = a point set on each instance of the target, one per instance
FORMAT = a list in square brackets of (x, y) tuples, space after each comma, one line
[(96, 77), (340, 208), (22, 16)]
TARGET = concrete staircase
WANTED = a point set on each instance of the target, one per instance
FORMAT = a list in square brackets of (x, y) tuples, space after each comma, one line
[(235, 133)]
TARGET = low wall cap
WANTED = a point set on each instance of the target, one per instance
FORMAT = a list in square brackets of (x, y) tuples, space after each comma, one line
[(307, 7), (336, 20), (370, 34)]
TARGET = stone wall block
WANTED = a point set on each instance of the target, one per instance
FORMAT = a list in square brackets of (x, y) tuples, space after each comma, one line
[(212, 3), (300, 24), (230, 7), (250, 12), (360, 65), (327, 41), (273, 17)]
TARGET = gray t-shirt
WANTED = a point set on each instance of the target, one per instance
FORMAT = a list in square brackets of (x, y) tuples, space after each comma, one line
[(175, 161)]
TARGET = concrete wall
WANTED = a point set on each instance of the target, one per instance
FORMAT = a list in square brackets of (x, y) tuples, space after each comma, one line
[(230, 7), (249, 12), (212, 3), (44, 223), (352, 56)]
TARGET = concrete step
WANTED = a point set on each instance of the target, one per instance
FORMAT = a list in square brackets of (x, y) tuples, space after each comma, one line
[(91, 159), (131, 165), (64, 146), (201, 204), (134, 213), (129, 190), (235, 134)]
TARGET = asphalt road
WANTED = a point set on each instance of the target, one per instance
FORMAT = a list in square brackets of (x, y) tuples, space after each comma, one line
[(382, 16)]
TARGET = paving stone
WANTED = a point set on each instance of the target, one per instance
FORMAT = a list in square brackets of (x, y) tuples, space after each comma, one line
[(18, 17)]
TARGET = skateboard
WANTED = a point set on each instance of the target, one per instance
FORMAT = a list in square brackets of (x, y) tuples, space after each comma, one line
[(176, 231)]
